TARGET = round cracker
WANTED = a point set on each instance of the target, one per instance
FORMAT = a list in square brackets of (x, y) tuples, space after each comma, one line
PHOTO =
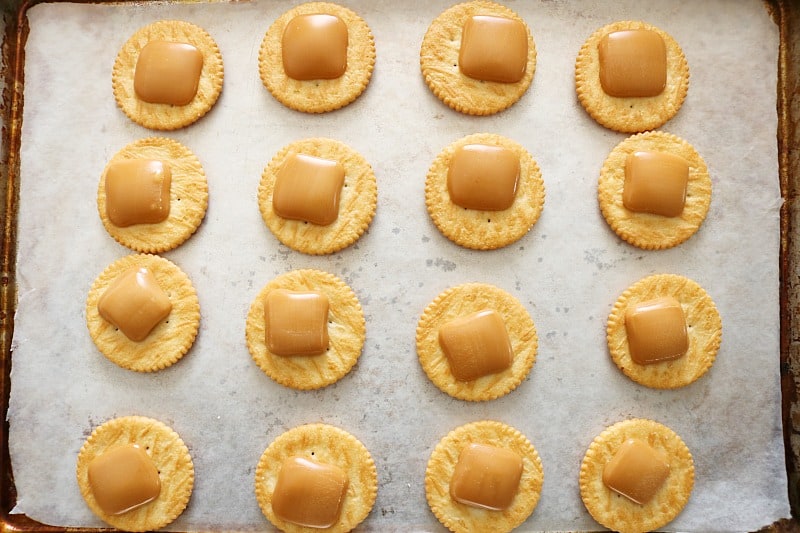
[(318, 96), (169, 340), (461, 518), (346, 331), (357, 201), (329, 445), (170, 456), (485, 230), (703, 325), (617, 512), (188, 197), (166, 116), (438, 58), (644, 230), (632, 114), (463, 300)]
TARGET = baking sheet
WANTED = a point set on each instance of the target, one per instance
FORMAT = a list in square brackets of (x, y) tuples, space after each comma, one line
[(568, 271)]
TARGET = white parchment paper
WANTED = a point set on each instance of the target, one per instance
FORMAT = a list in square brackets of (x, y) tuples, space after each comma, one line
[(567, 271)]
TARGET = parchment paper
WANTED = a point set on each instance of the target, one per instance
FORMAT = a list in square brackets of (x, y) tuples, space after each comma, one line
[(567, 271)]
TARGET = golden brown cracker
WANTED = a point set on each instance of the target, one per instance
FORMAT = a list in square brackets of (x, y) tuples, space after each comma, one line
[(165, 116), (346, 330), (617, 512), (633, 114), (461, 518), (318, 96), (463, 300), (704, 328), (485, 230), (329, 445), (188, 197), (644, 230), (170, 456), (439, 62), (169, 340), (357, 201)]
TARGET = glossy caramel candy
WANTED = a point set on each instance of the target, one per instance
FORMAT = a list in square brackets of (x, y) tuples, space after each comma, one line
[(309, 493), (137, 192), (296, 322), (168, 73), (476, 345), (314, 47), (656, 330), (483, 177), (633, 63), (493, 49), (135, 303), (486, 477), (637, 471), (308, 188), (655, 183), (123, 478)]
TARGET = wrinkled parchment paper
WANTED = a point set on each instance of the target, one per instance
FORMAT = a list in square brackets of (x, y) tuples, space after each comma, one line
[(567, 271)]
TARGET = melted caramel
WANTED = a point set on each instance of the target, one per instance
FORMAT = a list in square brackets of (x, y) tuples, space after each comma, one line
[(493, 49), (296, 322), (307, 188), (633, 63), (167, 73), (483, 177), (134, 303), (637, 471), (309, 493), (314, 47), (486, 476), (476, 345), (655, 183), (123, 478), (656, 330), (137, 192)]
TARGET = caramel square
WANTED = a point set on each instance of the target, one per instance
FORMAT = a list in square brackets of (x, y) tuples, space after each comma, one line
[(167, 73), (637, 471), (655, 183), (483, 177), (296, 322), (632, 63), (486, 477), (656, 330), (123, 478), (309, 493), (138, 192), (314, 47), (134, 303), (308, 188), (493, 49), (476, 345)]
